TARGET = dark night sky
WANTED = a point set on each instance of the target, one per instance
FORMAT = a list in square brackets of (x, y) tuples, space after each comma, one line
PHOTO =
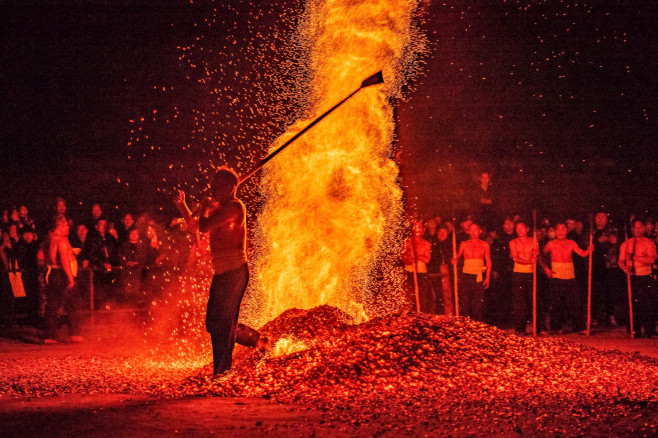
[(557, 97)]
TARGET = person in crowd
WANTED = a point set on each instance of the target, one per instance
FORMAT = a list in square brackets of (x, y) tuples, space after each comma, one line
[(92, 221), (127, 223), (475, 273), (102, 254), (433, 266), (497, 303), (132, 261), (223, 216), (523, 251), (4, 221), (81, 245), (25, 220), (417, 253), (636, 256), (603, 297), (565, 302), (443, 252), (27, 249), (485, 202), (61, 290)]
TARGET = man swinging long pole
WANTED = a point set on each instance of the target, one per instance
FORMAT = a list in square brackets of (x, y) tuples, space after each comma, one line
[(375, 79)]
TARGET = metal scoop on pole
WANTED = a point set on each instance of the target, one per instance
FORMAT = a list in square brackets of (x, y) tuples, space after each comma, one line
[(375, 79)]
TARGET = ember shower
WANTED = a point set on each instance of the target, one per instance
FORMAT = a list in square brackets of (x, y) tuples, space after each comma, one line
[(332, 205)]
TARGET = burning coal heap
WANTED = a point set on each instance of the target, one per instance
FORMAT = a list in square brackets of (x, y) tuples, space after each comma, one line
[(411, 355), (449, 371)]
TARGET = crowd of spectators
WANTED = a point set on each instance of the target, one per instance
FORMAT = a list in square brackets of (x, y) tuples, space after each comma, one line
[(115, 265), (621, 255)]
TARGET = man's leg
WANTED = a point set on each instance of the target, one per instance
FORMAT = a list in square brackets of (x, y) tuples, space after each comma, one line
[(226, 292)]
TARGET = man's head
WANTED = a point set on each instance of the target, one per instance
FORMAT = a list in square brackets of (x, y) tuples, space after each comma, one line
[(474, 231), (442, 233), (600, 220), (60, 206), (28, 236), (101, 226), (224, 183), (15, 216), (637, 226), (133, 235), (571, 224), (521, 229), (128, 221), (508, 226), (561, 231), (579, 227), (81, 231), (96, 211), (466, 223), (22, 211), (431, 227)]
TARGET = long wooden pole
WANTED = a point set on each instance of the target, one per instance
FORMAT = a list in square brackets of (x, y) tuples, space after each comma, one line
[(629, 256), (589, 277), (454, 265), (415, 272), (534, 274)]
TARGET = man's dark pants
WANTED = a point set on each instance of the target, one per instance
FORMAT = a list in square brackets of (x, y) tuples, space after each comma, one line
[(226, 292)]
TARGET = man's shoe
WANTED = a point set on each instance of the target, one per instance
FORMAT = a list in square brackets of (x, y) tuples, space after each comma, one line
[(49, 341)]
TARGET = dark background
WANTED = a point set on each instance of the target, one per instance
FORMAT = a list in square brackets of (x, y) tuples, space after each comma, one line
[(120, 102)]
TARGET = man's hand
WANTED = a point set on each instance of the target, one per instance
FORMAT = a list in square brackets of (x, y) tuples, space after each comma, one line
[(71, 283), (485, 283), (548, 272), (179, 200)]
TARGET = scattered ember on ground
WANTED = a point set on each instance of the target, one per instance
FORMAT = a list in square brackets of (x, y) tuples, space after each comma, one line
[(404, 372)]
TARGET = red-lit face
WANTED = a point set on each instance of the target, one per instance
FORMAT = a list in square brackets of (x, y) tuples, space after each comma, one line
[(561, 231), (484, 178), (128, 220), (133, 237), (521, 229), (101, 226), (601, 219), (23, 211), (60, 207), (474, 231), (508, 226), (96, 211), (431, 226), (638, 229), (442, 234), (81, 231)]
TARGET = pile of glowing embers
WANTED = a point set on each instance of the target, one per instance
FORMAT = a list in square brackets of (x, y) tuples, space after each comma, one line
[(438, 367)]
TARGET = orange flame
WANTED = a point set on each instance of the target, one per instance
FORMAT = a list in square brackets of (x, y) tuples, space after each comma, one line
[(332, 202)]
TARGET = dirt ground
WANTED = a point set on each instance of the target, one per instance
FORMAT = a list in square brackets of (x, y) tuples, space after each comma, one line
[(125, 414)]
